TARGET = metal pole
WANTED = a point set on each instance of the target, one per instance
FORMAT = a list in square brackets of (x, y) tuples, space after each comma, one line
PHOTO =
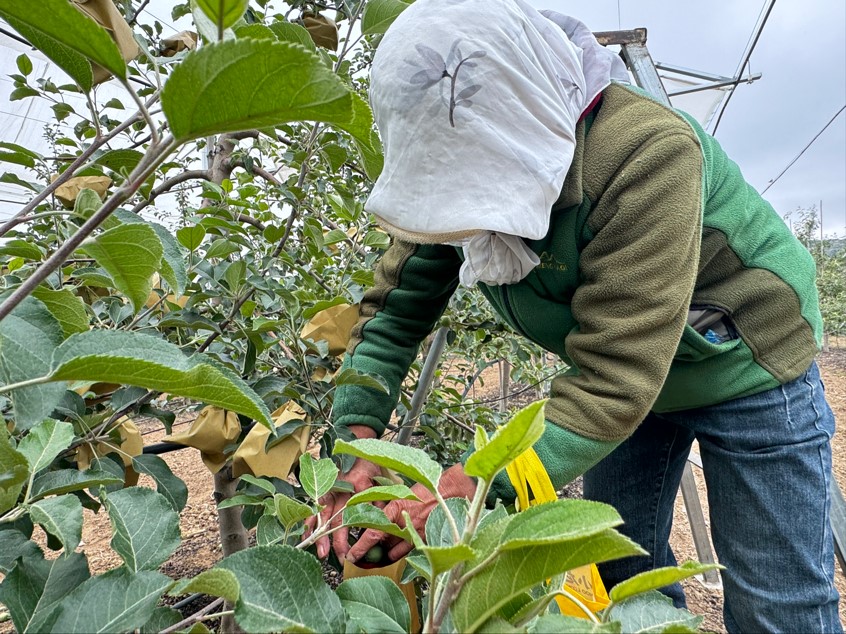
[(427, 376)]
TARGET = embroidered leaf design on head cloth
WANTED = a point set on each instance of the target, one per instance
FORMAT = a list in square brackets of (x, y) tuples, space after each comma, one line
[(431, 69)]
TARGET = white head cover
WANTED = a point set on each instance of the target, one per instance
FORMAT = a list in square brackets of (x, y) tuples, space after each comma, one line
[(477, 103)]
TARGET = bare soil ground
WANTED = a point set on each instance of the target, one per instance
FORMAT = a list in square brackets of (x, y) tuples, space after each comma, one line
[(200, 547)]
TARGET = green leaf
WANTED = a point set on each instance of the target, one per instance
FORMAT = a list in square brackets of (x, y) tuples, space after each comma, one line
[(146, 528), (246, 84), (121, 161), (365, 138), (217, 582), (224, 13), (322, 305), (255, 31), (170, 486), (17, 153), (86, 205), (317, 476), (269, 531), (240, 500), (351, 376), (22, 249), (74, 64), (173, 267), (408, 461), (377, 240), (480, 438), (513, 572), (439, 530), (67, 480), (508, 442), (131, 254), (14, 471), (14, 179), (28, 337), (24, 64), (443, 558), (59, 21), (651, 612), (375, 604), (67, 308), (290, 32), (265, 485), (366, 516), (44, 442), (558, 521), (571, 625), (222, 248), (33, 589), (124, 601), (188, 319), (282, 589), (147, 361), (61, 517), (23, 92), (658, 578), (380, 14), (191, 237), (383, 494), (290, 511), (14, 544), (161, 619)]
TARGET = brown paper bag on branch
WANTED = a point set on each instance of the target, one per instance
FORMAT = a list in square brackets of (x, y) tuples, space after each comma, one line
[(393, 572), (131, 445), (251, 457), (333, 326), (323, 31), (67, 192), (106, 14), (182, 41), (212, 431)]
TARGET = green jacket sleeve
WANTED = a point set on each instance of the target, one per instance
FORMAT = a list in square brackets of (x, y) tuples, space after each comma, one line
[(637, 278), (412, 288)]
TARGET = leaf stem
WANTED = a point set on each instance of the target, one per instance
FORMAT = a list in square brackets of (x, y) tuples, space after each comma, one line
[(142, 109), (20, 384)]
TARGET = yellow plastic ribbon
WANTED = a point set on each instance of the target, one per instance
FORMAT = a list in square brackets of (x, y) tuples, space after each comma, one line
[(533, 487)]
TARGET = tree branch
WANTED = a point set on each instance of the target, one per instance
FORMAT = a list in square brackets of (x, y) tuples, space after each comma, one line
[(169, 184)]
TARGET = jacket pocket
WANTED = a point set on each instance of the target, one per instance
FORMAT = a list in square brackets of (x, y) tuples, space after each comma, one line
[(695, 347)]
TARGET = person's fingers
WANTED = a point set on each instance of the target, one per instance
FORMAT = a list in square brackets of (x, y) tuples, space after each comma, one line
[(340, 542), (331, 503), (368, 540), (400, 550)]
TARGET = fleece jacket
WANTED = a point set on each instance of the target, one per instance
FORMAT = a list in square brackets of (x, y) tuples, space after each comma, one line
[(653, 221)]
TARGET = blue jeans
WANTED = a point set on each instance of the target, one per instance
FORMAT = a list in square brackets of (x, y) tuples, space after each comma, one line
[(767, 465)]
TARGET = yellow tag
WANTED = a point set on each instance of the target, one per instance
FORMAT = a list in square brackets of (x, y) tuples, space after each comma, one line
[(533, 487)]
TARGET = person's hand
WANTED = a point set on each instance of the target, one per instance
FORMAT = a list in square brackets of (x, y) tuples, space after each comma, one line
[(360, 476), (454, 483)]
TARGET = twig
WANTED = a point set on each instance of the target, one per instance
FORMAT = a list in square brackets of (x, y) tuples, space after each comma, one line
[(170, 183), (68, 173), (136, 179)]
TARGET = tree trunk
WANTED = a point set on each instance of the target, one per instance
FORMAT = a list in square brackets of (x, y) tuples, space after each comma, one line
[(233, 535)]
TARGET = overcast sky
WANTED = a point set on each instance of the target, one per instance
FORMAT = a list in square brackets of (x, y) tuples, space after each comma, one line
[(802, 56)]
